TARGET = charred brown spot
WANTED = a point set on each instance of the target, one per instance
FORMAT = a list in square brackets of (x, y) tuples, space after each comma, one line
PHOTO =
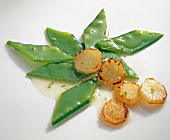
[(126, 110), (117, 82)]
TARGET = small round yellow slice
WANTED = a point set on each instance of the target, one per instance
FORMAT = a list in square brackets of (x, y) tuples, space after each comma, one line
[(127, 93), (112, 71), (152, 91), (114, 112), (88, 60)]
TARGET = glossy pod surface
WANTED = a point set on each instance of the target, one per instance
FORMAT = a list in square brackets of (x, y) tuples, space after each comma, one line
[(130, 42), (64, 71), (66, 42), (96, 30), (40, 53), (73, 100)]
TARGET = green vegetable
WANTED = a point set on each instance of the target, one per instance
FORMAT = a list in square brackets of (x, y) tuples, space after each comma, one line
[(60, 57), (130, 42), (66, 42), (129, 72), (40, 53), (73, 99), (64, 71), (96, 30)]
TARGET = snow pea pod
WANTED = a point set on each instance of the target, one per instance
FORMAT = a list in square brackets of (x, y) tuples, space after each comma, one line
[(40, 53), (96, 30), (64, 71), (129, 72), (73, 100), (130, 42), (66, 42)]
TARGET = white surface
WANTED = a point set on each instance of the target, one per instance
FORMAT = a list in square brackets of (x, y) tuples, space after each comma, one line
[(25, 113)]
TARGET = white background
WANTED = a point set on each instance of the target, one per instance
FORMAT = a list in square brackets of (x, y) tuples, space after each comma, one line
[(26, 114)]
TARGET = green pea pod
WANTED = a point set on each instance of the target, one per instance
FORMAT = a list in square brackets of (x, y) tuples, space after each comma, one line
[(64, 71), (129, 72), (40, 53), (96, 30), (130, 42), (73, 100), (66, 42)]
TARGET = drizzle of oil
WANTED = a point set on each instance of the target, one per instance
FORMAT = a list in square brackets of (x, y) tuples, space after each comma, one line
[(103, 93), (51, 89)]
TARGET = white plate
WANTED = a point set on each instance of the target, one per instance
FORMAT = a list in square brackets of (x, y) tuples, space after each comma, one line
[(25, 113)]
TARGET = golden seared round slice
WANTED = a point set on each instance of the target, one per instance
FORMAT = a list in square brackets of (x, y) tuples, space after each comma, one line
[(112, 71), (152, 91), (128, 93), (114, 112), (88, 60)]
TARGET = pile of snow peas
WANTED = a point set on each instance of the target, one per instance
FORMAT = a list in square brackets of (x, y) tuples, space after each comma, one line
[(59, 60)]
